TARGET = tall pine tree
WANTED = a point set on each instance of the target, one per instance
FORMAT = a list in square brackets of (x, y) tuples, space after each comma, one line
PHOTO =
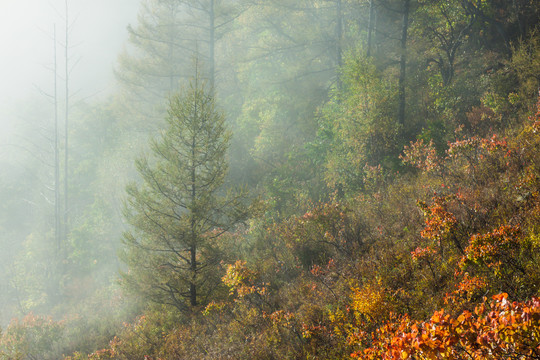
[(180, 209)]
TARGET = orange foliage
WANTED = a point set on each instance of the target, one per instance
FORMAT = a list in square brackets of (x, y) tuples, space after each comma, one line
[(421, 254), (439, 222), (421, 156), (495, 330), (31, 337), (494, 247)]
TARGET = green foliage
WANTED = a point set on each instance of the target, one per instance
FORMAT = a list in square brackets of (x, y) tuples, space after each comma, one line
[(361, 121), (179, 211), (151, 68), (30, 338), (446, 26), (525, 63), (356, 252)]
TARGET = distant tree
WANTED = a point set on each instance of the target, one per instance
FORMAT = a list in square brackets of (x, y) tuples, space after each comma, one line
[(403, 60), (207, 22), (167, 35), (289, 59), (445, 27), (155, 61), (179, 210), (358, 125)]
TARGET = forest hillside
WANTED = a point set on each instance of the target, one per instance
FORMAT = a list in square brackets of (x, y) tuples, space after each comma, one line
[(290, 179)]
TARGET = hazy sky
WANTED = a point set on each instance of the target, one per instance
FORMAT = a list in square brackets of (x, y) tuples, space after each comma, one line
[(98, 31)]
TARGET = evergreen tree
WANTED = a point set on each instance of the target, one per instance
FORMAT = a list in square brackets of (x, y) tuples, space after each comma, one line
[(179, 211), (167, 35), (157, 58)]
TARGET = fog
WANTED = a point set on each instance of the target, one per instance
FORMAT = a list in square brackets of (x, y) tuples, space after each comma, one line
[(61, 220), (97, 32), (261, 134)]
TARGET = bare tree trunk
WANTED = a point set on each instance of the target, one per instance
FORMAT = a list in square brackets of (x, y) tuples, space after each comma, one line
[(57, 264), (57, 236), (212, 44), (339, 40), (66, 130), (193, 247), (403, 61), (370, 28)]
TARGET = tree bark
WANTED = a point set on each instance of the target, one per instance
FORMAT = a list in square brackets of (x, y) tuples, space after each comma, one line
[(403, 61), (66, 130), (370, 28), (56, 161), (339, 40), (212, 45), (193, 247)]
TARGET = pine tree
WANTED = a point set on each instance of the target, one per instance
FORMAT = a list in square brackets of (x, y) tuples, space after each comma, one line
[(151, 67), (180, 209)]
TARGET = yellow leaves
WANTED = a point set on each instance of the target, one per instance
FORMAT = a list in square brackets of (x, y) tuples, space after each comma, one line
[(214, 307), (371, 301), (239, 278)]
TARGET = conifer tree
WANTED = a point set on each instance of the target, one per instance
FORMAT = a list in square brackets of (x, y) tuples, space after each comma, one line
[(151, 67), (180, 208)]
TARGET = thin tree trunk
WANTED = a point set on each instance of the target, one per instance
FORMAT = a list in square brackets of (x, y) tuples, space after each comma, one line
[(375, 44), (57, 236), (57, 265), (339, 40), (172, 80), (66, 131), (212, 45), (193, 246), (370, 28), (517, 10), (403, 62)]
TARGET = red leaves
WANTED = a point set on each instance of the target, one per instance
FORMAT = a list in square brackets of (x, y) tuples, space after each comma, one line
[(494, 247), (475, 145), (419, 254), (536, 118), (422, 156), (505, 330), (439, 221), (30, 337)]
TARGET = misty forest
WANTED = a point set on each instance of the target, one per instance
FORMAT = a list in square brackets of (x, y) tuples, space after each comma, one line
[(275, 179)]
